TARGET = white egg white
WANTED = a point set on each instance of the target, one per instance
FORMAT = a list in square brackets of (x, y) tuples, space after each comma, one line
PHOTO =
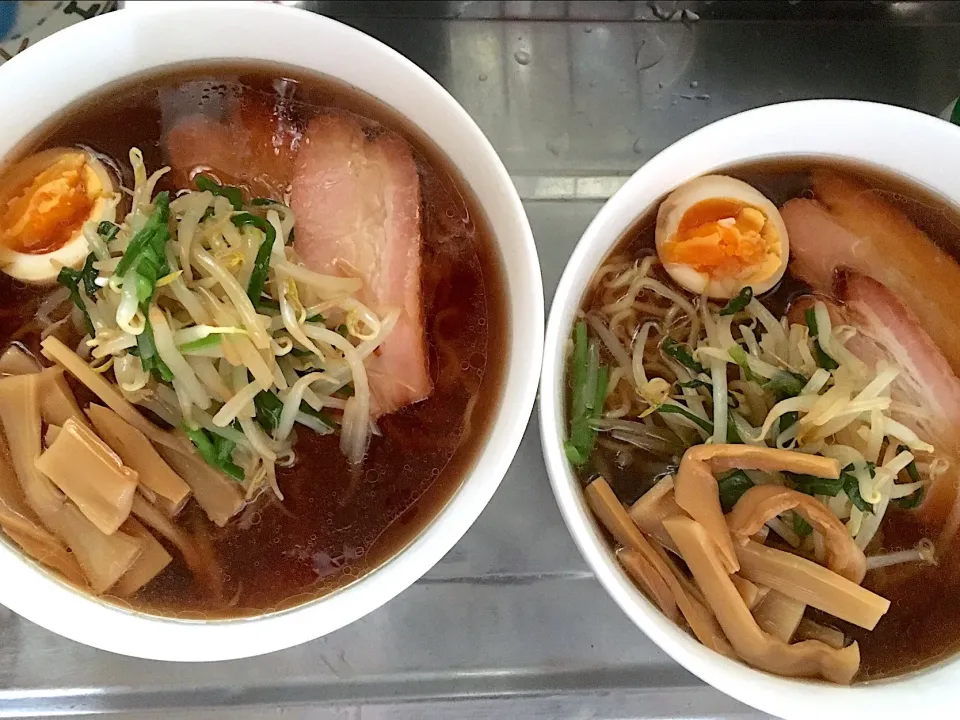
[(708, 187), (43, 268)]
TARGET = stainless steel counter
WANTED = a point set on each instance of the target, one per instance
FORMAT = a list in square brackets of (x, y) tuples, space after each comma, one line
[(575, 96)]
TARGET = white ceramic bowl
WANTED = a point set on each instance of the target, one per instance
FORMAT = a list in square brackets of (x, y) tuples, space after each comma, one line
[(917, 147), (84, 58)]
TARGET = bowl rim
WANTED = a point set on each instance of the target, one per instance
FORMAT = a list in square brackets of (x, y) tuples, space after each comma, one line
[(869, 134), (140, 42)]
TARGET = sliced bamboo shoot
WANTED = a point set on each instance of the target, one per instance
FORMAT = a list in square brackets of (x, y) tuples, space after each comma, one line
[(20, 415), (764, 502), (779, 615), (763, 651), (809, 630), (220, 497), (751, 593), (607, 508), (811, 584), (696, 490), (136, 452), (650, 581), (57, 403), (653, 506), (58, 352), (22, 526), (91, 474), (153, 559), (103, 558)]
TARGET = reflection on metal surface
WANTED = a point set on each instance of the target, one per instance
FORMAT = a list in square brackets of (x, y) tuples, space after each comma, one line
[(512, 610)]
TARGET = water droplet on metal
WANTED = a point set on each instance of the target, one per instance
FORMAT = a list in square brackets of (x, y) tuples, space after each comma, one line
[(588, 29), (522, 57), (482, 77), (638, 145), (559, 145), (651, 51), (694, 83)]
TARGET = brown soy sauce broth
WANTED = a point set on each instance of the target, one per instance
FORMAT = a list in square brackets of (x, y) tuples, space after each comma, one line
[(922, 626), (331, 528)]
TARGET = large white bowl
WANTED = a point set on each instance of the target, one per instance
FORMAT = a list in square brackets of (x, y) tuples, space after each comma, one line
[(37, 84), (917, 147)]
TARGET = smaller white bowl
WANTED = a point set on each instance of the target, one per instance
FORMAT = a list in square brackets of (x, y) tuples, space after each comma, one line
[(916, 147)]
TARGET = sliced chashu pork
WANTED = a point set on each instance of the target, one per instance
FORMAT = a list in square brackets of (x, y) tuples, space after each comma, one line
[(254, 146), (850, 226), (888, 332), (357, 203)]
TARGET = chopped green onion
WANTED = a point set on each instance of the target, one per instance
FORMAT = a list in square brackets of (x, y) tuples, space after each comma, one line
[(738, 302), (739, 356), (264, 201), (233, 194), (813, 485), (705, 425), (319, 415), (787, 420), (593, 369), (73, 279), (343, 330), (588, 394), (318, 318), (203, 343), (733, 435), (268, 408), (800, 526), (823, 360), (215, 450), (694, 384), (914, 499), (207, 214), (107, 230), (785, 384), (153, 234), (732, 487), (851, 486), (261, 266), (150, 359), (679, 352)]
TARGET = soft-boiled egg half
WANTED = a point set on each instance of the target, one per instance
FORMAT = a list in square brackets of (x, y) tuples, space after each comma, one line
[(45, 200), (716, 235)]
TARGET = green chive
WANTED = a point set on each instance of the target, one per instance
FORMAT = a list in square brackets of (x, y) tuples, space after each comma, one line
[(823, 360), (680, 353), (233, 194), (706, 426), (732, 487), (203, 343), (738, 302), (785, 384), (261, 266), (800, 526), (107, 230)]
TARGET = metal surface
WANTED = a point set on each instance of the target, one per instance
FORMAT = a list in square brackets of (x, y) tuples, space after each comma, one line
[(575, 96)]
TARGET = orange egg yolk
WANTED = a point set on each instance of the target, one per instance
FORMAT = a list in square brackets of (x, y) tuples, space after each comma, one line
[(50, 208), (724, 238)]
